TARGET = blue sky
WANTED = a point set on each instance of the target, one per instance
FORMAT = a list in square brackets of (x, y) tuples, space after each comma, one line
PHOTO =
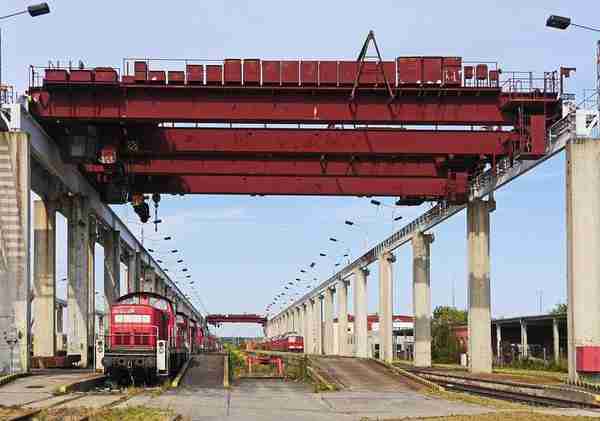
[(240, 249)]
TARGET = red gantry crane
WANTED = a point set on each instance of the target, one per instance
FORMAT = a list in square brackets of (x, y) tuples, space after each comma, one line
[(219, 319), (417, 127)]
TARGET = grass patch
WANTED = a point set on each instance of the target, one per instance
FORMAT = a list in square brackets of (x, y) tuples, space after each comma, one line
[(475, 400), (498, 416), (117, 414), (11, 411), (538, 375)]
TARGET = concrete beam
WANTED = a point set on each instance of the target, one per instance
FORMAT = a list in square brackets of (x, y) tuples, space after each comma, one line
[(386, 306), (478, 245), (44, 278), (359, 291), (422, 298)]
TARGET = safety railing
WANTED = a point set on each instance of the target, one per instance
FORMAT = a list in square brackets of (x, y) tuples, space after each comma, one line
[(526, 82), (7, 94), (185, 71)]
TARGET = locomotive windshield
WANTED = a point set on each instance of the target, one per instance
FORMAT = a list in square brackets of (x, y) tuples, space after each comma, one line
[(159, 303)]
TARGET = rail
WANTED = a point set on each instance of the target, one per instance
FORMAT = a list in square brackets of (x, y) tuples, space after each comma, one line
[(484, 184)]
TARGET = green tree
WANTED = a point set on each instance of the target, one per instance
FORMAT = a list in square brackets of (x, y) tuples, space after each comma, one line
[(560, 308), (444, 346)]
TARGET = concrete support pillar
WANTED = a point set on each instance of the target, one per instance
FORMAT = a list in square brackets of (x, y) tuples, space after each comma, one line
[(15, 308), (524, 342), (294, 320), (78, 291), (44, 278), (318, 325), (91, 278), (132, 274), (422, 298), (498, 342), (300, 311), (386, 307), (478, 245), (359, 291), (308, 327), (556, 340), (112, 270), (342, 301), (138, 282), (328, 322), (583, 249), (149, 276)]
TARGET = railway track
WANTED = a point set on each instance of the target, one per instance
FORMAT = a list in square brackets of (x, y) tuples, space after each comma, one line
[(537, 395)]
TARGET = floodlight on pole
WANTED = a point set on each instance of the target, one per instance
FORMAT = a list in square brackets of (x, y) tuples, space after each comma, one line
[(33, 10), (563, 22)]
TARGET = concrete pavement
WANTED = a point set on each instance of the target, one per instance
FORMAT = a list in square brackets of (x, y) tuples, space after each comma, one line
[(276, 400)]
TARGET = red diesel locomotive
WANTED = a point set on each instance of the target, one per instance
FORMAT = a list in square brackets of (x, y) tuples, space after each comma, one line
[(147, 339)]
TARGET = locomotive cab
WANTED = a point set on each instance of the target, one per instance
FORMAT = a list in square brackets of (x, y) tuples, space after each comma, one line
[(141, 338)]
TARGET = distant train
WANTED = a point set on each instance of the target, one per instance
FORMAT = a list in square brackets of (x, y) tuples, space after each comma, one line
[(288, 342), (148, 339)]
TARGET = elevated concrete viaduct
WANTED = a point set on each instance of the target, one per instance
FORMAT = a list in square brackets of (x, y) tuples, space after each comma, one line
[(583, 247), (31, 161)]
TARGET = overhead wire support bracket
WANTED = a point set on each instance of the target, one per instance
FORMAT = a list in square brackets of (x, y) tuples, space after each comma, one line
[(361, 61)]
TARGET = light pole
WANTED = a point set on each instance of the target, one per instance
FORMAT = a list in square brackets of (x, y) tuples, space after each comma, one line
[(33, 10), (562, 23)]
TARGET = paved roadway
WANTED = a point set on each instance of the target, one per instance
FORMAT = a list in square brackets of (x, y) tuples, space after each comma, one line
[(37, 390), (355, 374), (204, 371), (381, 394)]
